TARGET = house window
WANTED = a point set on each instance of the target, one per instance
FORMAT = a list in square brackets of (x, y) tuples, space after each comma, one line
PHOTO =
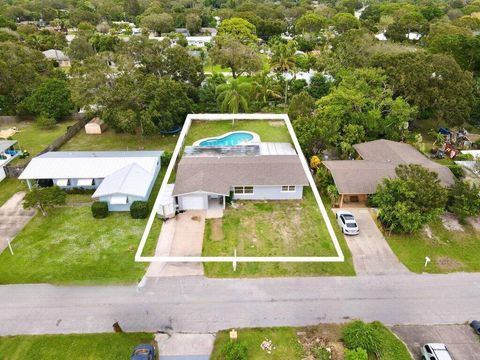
[(240, 190), (288, 188)]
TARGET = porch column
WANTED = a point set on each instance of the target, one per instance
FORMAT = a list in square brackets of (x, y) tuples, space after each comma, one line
[(341, 201), (223, 202), (29, 184)]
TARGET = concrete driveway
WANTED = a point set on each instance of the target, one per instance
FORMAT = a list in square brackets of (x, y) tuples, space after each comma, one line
[(184, 346), (13, 218), (371, 253), (461, 341), (180, 236)]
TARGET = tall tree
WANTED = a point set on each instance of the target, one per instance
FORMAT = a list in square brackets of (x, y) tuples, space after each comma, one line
[(44, 199), (233, 96), (283, 61), (240, 29)]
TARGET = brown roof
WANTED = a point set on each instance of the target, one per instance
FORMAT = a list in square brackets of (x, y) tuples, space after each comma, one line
[(218, 174), (380, 158)]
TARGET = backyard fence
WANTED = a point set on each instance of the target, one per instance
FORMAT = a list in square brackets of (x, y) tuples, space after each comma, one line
[(15, 171)]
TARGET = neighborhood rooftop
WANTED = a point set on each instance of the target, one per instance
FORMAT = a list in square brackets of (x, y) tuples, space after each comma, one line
[(6, 144), (218, 174), (380, 158), (87, 164)]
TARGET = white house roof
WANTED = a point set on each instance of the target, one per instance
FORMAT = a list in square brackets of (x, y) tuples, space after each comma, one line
[(85, 164), (131, 180), (53, 54)]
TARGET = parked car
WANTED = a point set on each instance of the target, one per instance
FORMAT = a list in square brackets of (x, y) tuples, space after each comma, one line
[(475, 324), (435, 351), (143, 352), (347, 222)]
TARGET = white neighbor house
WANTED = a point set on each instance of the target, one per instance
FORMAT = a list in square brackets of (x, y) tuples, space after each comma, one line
[(118, 177)]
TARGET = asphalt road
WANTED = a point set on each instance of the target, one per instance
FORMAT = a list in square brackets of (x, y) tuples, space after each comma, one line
[(197, 304)]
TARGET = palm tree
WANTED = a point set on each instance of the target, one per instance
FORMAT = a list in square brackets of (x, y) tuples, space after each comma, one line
[(233, 97), (264, 88), (283, 60)]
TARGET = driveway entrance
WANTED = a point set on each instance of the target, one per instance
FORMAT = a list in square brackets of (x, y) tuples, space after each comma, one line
[(370, 251), (180, 236)]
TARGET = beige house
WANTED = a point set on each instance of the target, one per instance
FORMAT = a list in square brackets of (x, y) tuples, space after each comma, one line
[(58, 56), (356, 179)]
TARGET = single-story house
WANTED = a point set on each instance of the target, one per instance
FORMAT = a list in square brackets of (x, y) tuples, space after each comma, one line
[(118, 177), (199, 41), (204, 181), (58, 56), (8, 152), (356, 179), (95, 126)]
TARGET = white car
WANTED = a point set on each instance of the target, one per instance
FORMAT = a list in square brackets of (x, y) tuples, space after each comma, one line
[(347, 222), (435, 351)]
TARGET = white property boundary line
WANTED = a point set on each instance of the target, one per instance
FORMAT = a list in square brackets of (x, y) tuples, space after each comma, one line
[(234, 259)]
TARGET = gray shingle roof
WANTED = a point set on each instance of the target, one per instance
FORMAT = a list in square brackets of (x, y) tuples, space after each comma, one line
[(218, 174), (380, 158)]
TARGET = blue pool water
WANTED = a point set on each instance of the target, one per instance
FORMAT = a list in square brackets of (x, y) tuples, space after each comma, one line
[(229, 140)]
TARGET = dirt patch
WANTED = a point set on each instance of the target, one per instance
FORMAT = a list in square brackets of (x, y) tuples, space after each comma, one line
[(327, 336), (277, 123), (448, 264), (217, 230), (428, 232), (196, 218), (474, 222), (450, 222)]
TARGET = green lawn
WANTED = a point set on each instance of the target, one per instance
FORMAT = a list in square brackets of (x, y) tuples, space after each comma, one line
[(275, 131), (33, 139), (105, 346), (8, 187), (448, 250), (297, 343), (275, 228), (69, 246), (110, 140)]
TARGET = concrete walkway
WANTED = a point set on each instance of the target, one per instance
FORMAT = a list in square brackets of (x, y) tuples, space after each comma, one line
[(180, 236), (181, 346), (370, 251), (13, 219)]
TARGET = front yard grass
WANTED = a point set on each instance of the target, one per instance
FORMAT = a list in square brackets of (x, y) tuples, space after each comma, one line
[(34, 139), (448, 250), (110, 140), (72, 347), (69, 246), (8, 187), (274, 228), (274, 131), (297, 343)]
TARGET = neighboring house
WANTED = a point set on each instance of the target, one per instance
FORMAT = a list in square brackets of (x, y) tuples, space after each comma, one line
[(118, 177), (95, 126), (8, 152), (58, 56), (356, 179), (199, 41), (265, 171)]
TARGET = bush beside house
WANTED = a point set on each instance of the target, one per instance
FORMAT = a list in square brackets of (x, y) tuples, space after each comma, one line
[(100, 209), (139, 210)]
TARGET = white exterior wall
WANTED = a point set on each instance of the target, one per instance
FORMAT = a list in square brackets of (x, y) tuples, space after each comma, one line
[(2, 173), (125, 207), (271, 193), (73, 184)]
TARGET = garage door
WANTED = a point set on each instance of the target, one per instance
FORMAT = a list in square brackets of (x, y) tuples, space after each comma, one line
[(193, 202)]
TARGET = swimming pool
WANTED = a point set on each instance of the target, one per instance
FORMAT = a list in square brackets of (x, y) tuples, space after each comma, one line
[(229, 139)]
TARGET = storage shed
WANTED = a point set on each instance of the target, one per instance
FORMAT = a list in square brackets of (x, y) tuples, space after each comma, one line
[(95, 126)]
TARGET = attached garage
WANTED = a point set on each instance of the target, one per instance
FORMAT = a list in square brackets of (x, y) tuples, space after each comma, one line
[(194, 201)]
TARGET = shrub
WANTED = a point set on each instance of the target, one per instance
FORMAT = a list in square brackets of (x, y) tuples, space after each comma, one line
[(320, 353), (166, 157), (457, 170), (357, 354), (357, 334), (234, 351), (464, 157), (46, 122), (100, 209), (139, 210), (464, 200)]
